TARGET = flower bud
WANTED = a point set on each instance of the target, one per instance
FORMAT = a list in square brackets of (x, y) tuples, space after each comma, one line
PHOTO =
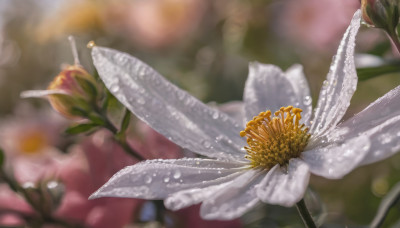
[(381, 13), (52, 192), (74, 89), (73, 92)]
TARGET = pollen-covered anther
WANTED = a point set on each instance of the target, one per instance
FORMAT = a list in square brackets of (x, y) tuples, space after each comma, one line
[(275, 140)]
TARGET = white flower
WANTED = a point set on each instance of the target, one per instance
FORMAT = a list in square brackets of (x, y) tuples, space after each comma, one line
[(231, 184)]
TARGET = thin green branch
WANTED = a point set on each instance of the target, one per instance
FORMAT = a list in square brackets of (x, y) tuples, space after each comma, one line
[(305, 214), (118, 137), (390, 200)]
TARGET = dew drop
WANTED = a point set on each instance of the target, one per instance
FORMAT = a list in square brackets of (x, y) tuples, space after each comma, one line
[(114, 88), (385, 138), (307, 100), (177, 174), (148, 179), (215, 115), (166, 179), (206, 144)]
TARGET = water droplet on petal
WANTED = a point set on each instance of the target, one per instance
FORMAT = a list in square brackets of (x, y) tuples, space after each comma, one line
[(206, 144), (114, 88), (166, 179), (215, 115), (307, 100), (148, 179), (177, 174)]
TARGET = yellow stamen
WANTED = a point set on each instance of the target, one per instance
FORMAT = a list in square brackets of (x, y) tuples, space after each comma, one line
[(275, 140), (32, 142)]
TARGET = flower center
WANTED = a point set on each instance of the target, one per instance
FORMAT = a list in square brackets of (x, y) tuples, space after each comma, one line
[(275, 140), (32, 142)]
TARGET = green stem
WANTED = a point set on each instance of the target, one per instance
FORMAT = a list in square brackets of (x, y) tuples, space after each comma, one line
[(119, 138), (128, 149), (305, 214), (395, 39), (390, 200)]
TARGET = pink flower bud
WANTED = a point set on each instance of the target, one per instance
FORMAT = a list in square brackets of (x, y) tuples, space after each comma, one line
[(364, 5), (381, 13), (74, 88)]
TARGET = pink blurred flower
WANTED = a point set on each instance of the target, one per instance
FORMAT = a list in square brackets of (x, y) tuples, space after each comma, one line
[(103, 157), (85, 168), (9, 204), (30, 139), (156, 23), (317, 24)]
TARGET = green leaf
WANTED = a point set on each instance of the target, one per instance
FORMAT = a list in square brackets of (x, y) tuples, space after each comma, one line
[(125, 121), (106, 100), (96, 119), (81, 128), (381, 48), (96, 74), (78, 112), (87, 86), (372, 72)]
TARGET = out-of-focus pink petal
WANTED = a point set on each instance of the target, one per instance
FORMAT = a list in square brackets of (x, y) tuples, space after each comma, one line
[(11, 220), (11, 201), (306, 21), (74, 206), (112, 212)]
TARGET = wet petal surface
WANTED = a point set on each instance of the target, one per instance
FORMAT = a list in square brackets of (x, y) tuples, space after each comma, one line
[(296, 77), (285, 187), (267, 88), (157, 179), (234, 199), (333, 160), (193, 196), (169, 110), (341, 82)]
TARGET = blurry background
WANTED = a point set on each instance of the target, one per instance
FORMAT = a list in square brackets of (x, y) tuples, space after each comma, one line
[(204, 47)]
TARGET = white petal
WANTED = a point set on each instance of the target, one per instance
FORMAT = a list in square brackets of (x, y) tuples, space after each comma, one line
[(340, 84), (299, 83), (334, 160), (193, 196), (172, 112), (235, 199), (285, 187), (380, 122), (267, 88), (234, 109), (385, 140), (157, 179), (381, 110), (384, 135), (40, 93)]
